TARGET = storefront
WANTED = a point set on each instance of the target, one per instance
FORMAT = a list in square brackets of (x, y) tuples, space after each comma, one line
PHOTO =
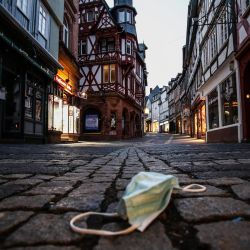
[(63, 115), (222, 113), (23, 83), (164, 127), (199, 120)]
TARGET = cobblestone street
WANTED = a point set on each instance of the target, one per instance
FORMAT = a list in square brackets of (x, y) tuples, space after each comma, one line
[(44, 186)]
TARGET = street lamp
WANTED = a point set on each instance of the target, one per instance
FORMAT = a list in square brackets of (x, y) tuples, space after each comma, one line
[(82, 95)]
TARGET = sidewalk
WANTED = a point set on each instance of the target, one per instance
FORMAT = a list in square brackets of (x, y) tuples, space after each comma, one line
[(42, 191)]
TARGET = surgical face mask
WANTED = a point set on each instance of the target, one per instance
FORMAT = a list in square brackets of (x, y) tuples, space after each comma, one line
[(146, 196)]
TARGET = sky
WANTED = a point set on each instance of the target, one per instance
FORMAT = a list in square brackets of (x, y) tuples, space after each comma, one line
[(161, 24)]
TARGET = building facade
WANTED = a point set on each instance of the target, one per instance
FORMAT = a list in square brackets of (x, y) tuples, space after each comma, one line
[(243, 57), (209, 89), (164, 110), (29, 40), (63, 101), (114, 71)]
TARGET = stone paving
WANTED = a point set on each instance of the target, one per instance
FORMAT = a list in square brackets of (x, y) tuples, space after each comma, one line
[(43, 186)]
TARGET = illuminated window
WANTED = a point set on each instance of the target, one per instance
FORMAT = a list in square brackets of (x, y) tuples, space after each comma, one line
[(112, 73), (106, 73), (109, 73)]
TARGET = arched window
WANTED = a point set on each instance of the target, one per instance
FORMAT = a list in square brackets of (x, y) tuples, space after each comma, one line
[(66, 32)]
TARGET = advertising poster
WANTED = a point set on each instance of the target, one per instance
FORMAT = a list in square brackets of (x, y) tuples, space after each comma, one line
[(92, 122)]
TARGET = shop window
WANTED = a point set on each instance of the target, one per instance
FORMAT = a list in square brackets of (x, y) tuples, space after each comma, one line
[(29, 101), (38, 110), (213, 111), (229, 101)]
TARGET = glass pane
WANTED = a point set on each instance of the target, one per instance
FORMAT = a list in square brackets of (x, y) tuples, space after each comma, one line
[(106, 73), (112, 73), (229, 101), (213, 111), (58, 114)]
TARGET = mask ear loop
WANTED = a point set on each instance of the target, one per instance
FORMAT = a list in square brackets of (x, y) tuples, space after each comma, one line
[(194, 188), (99, 232)]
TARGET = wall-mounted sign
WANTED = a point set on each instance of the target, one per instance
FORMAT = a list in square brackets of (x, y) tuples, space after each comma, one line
[(63, 83)]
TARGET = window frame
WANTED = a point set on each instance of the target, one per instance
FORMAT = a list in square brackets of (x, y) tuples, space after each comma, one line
[(66, 33), (43, 21), (20, 5)]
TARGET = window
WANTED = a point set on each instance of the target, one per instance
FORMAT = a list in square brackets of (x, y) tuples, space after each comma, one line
[(213, 111), (90, 16), (82, 48), (109, 73), (213, 43), (229, 101), (23, 5), (42, 21), (129, 17), (107, 44), (112, 73), (106, 73), (128, 47), (121, 17), (223, 28), (66, 33)]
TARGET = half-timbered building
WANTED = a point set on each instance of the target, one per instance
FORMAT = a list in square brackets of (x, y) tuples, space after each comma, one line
[(243, 56), (212, 85), (114, 72)]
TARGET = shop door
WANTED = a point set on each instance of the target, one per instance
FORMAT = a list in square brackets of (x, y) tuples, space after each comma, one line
[(247, 102), (11, 105)]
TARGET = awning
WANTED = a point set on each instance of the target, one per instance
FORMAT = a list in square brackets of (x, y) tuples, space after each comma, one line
[(46, 71)]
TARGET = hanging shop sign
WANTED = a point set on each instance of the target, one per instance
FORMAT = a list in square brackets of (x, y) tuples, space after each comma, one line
[(64, 84)]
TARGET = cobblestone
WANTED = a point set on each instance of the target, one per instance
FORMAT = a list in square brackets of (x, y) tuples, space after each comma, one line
[(40, 192), (242, 191), (25, 202), (209, 208), (154, 238), (44, 229), (225, 235), (9, 220)]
